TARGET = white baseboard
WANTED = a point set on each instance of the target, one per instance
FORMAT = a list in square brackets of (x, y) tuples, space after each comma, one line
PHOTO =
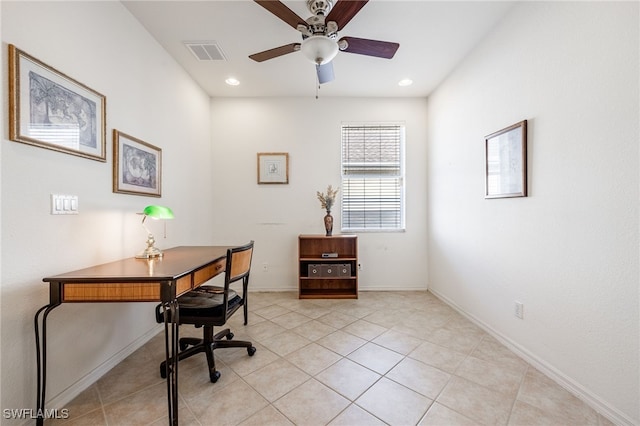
[(594, 401), (66, 396), (395, 288), (360, 288)]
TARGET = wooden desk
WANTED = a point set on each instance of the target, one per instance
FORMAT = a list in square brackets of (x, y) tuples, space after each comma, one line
[(133, 280)]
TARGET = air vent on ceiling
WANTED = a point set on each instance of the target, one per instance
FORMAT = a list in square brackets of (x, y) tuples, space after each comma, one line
[(205, 50)]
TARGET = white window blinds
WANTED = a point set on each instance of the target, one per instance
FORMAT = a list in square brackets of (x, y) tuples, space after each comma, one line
[(372, 177)]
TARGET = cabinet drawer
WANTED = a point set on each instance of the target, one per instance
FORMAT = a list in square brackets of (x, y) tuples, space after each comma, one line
[(313, 270), (205, 274), (329, 270), (344, 269)]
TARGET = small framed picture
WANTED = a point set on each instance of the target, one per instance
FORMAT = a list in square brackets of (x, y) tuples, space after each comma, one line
[(51, 110), (137, 166), (506, 162), (273, 167)]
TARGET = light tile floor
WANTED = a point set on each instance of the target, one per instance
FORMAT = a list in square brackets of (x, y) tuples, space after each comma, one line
[(396, 358)]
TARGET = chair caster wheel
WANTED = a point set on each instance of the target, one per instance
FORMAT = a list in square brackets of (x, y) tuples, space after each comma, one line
[(230, 336), (214, 376), (251, 350)]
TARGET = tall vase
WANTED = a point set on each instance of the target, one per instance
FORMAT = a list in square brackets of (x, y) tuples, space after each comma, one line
[(328, 223)]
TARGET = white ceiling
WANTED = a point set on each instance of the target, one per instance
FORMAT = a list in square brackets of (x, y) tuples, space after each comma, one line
[(434, 37)]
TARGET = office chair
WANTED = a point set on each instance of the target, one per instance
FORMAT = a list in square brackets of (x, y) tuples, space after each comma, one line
[(208, 306)]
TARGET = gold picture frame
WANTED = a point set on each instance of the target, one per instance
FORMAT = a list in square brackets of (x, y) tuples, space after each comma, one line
[(273, 168), (51, 110), (137, 166), (506, 162)]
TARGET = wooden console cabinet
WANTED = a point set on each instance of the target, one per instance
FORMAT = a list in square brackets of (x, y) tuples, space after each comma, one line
[(324, 277)]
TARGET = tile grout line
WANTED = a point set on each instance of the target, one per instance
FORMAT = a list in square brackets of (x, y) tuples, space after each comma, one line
[(515, 400)]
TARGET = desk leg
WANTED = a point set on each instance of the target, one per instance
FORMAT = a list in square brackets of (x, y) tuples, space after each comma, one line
[(171, 312), (41, 358)]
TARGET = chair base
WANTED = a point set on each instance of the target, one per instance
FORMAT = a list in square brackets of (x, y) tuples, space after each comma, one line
[(190, 346)]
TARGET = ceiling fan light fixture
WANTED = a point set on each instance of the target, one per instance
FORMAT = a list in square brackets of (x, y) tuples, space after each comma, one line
[(319, 49)]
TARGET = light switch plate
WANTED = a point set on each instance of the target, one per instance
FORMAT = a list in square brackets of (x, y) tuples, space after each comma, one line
[(64, 204)]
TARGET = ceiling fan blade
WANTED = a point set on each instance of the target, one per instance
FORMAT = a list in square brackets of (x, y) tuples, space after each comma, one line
[(365, 46), (275, 52), (283, 12), (344, 10), (325, 73)]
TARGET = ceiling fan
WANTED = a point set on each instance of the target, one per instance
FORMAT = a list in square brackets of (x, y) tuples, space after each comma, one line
[(320, 42)]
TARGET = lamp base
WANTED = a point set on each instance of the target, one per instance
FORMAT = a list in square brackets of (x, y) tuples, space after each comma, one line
[(151, 251)]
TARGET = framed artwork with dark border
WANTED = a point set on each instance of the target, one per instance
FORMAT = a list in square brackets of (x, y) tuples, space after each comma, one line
[(51, 110), (506, 162), (137, 166), (273, 167)]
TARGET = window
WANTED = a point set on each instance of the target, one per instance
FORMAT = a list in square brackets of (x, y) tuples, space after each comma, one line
[(372, 177)]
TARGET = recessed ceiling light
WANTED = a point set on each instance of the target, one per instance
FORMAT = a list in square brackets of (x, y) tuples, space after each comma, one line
[(232, 81), (405, 82)]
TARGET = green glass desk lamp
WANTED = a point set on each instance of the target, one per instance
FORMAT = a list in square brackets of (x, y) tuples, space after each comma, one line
[(154, 212)]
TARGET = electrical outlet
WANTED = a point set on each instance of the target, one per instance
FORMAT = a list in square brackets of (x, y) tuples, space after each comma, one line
[(265, 267), (519, 310)]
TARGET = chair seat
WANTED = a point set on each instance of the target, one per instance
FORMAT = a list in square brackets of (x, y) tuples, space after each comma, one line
[(207, 301)]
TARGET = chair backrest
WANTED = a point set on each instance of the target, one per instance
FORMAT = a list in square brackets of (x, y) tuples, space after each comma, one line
[(239, 262)]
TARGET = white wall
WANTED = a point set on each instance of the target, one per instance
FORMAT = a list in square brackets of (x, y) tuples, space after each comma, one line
[(569, 251), (148, 96), (274, 215)]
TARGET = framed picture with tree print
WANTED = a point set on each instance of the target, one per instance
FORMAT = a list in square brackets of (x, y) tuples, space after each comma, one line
[(51, 110)]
